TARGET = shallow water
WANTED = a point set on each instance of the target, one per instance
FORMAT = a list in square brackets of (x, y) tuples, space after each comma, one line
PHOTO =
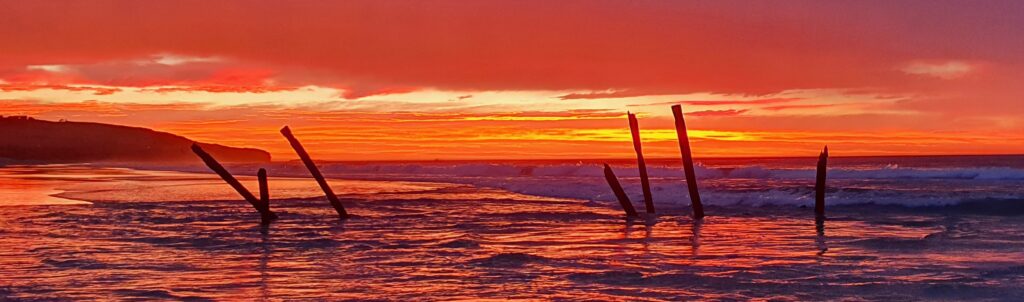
[(925, 181), (139, 239)]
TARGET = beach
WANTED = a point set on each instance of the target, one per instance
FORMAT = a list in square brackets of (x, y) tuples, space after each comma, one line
[(136, 234), (511, 150)]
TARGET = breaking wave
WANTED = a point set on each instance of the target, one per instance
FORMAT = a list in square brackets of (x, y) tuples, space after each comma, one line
[(594, 170), (745, 185)]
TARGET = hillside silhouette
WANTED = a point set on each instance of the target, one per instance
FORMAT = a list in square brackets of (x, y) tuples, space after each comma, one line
[(27, 139)]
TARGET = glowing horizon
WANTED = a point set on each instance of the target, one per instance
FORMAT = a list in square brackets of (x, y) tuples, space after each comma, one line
[(529, 80)]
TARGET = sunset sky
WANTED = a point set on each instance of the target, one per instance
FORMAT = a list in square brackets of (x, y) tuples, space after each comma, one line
[(365, 80)]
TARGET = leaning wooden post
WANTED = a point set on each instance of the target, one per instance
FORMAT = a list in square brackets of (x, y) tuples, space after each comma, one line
[(819, 185), (645, 183), (315, 172), (684, 148), (265, 214), (619, 193)]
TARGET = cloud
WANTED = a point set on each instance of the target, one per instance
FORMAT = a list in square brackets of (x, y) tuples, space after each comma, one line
[(946, 70), (400, 66), (461, 97), (174, 59), (96, 90), (656, 48), (159, 73), (740, 102), (47, 68), (361, 92), (729, 112), (732, 102), (217, 89), (610, 94), (801, 106)]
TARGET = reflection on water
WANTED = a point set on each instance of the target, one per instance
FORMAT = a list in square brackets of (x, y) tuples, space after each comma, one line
[(695, 240), (29, 186), (264, 259), (70, 184), (460, 242), (819, 224)]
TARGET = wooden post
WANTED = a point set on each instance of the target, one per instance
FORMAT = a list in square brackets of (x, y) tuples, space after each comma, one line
[(265, 214), (684, 148), (819, 185), (619, 193), (261, 177), (315, 172), (645, 183)]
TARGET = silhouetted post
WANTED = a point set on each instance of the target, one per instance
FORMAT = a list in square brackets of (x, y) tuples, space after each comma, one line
[(819, 185), (645, 183), (265, 214), (684, 148), (315, 172), (261, 177), (619, 193)]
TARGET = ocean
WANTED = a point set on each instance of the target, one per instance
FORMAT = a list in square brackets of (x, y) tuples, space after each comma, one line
[(898, 228)]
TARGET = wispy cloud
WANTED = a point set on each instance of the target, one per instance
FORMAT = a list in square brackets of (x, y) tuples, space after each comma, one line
[(943, 70), (47, 68), (801, 106), (728, 112), (176, 59), (740, 102), (607, 94)]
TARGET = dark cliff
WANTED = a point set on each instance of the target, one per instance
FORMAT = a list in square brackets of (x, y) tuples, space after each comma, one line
[(31, 140)]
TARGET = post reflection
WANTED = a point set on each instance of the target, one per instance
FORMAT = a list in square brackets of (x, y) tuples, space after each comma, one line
[(630, 226), (627, 228), (264, 260), (820, 239), (695, 240), (649, 222)]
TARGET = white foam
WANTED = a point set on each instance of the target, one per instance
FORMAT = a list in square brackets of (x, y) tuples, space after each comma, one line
[(593, 170), (891, 185)]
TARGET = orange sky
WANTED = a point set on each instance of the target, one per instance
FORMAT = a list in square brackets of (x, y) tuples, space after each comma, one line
[(363, 80)]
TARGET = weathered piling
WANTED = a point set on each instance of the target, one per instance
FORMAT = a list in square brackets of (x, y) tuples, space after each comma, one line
[(645, 183), (265, 214), (819, 185), (684, 148), (315, 172), (261, 177), (619, 193)]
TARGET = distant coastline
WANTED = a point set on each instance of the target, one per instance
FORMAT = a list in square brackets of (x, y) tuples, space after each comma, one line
[(26, 140)]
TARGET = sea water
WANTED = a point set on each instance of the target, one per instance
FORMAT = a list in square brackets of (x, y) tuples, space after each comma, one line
[(898, 228)]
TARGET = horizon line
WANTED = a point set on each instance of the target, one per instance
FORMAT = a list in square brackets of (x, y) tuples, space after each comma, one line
[(654, 158)]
